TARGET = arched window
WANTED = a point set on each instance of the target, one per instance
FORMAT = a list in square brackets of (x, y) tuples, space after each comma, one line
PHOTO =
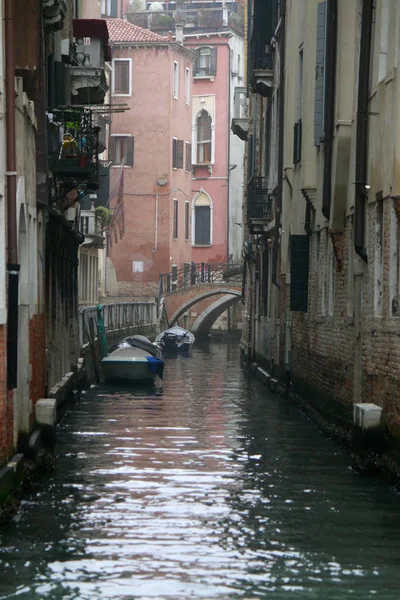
[(204, 138), (202, 220)]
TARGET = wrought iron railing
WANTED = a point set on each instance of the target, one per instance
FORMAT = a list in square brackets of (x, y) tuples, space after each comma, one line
[(260, 201), (116, 317), (197, 274), (196, 19)]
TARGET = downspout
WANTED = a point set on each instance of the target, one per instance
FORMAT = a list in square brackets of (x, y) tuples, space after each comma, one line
[(362, 129), (330, 94), (156, 223), (278, 210), (11, 174), (229, 156)]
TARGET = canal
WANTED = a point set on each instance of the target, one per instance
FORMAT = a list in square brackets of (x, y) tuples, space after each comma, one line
[(214, 489)]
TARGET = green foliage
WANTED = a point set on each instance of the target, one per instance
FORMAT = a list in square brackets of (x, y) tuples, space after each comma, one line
[(166, 21), (104, 217)]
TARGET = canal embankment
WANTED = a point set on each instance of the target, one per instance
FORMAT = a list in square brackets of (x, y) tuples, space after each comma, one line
[(36, 450)]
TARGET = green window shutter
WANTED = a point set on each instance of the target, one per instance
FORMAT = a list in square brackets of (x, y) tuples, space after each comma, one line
[(196, 63), (319, 104), (174, 153), (202, 225), (179, 161), (213, 68), (130, 151), (188, 158), (113, 8), (299, 267)]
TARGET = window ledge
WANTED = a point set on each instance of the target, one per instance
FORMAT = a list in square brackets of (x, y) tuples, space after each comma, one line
[(119, 166), (201, 245), (121, 95), (210, 77)]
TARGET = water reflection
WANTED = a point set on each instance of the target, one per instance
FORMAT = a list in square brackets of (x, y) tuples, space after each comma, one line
[(212, 489)]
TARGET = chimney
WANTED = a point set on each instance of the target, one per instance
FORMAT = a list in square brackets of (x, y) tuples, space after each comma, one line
[(179, 33)]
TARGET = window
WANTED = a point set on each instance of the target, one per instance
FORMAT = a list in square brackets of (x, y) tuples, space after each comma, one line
[(85, 224), (121, 150), (187, 85), (205, 62), (204, 137), (176, 79), (202, 220), (177, 153), (175, 219), (187, 220), (122, 79), (109, 8), (188, 157)]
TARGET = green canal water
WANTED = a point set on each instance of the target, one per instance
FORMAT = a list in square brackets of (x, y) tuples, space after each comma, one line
[(214, 489)]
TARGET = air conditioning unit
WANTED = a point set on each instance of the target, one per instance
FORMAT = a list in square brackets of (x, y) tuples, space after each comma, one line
[(367, 415)]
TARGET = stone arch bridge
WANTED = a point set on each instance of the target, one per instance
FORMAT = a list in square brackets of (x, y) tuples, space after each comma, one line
[(197, 295)]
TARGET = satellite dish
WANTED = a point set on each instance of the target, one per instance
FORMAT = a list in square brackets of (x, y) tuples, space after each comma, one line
[(162, 181), (156, 7)]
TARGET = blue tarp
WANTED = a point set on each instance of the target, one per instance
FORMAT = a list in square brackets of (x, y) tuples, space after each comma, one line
[(156, 365)]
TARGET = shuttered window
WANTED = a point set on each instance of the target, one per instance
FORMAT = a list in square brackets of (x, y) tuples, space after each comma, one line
[(205, 62), (175, 219), (122, 77), (320, 71), (204, 138), (187, 220), (299, 267), (177, 153), (109, 8), (202, 225), (188, 156), (121, 150)]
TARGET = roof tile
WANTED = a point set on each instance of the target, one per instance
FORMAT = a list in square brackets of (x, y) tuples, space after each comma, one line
[(123, 31)]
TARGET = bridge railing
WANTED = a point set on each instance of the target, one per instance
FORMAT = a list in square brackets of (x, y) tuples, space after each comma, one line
[(198, 273), (116, 316)]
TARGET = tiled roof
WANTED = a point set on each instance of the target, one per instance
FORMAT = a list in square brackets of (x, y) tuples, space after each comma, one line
[(123, 31)]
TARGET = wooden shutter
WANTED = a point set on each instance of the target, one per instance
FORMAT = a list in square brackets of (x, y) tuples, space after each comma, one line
[(130, 146), (113, 8), (196, 63), (174, 153), (111, 148), (179, 161), (319, 102), (187, 220), (188, 158), (202, 223), (213, 66), (299, 265)]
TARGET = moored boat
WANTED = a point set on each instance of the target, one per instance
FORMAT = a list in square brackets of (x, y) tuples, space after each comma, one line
[(135, 358), (174, 340)]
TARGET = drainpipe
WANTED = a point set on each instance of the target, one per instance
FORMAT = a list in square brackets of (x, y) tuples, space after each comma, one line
[(281, 174), (11, 174), (229, 156), (330, 89), (362, 129)]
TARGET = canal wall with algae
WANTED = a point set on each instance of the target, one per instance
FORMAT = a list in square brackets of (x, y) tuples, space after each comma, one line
[(36, 452), (374, 452)]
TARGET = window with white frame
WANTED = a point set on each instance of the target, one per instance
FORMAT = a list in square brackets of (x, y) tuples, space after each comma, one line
[(122, 77), (202, 217), (121, 150), (187, 85), (204, 138), (109, 8), (176, 79)]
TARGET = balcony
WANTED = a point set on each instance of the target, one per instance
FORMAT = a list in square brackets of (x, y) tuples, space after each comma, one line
[(262, 76), (260, 205), (88, 55), (194, 20), (240, 121), (54, 12), (73, 144)]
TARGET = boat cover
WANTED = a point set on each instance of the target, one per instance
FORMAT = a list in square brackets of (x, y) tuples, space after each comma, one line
[(156, 366)]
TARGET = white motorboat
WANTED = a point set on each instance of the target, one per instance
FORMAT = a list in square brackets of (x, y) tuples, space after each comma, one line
[(174, 340), (133, 359)]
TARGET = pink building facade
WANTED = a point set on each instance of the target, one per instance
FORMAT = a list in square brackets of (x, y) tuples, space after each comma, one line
[(210, 146), (150, 150)]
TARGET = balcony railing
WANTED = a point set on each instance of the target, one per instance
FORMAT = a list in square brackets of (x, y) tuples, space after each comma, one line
[(201, 19), (240, 121), (260, 201)]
